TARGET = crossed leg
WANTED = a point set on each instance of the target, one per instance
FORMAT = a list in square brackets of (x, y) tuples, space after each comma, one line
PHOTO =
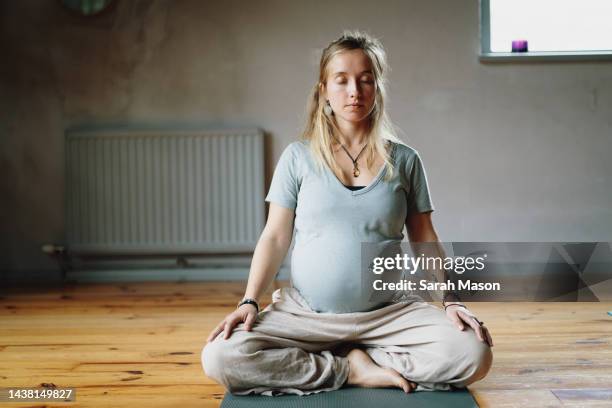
[(288, 351), (425, 347)]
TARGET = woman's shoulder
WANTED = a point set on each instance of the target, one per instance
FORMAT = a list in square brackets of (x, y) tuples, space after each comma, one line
[(300, 144), (297, 146), (295, 149), (403, 152), (296, 153), (300, 150)]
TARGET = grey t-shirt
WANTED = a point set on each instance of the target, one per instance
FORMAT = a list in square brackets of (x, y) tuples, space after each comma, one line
[(332, 221)]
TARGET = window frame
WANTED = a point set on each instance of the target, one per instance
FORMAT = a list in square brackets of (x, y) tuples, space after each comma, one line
[(486, 55)]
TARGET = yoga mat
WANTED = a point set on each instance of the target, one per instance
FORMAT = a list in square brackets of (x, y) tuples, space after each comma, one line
[(356, 398)]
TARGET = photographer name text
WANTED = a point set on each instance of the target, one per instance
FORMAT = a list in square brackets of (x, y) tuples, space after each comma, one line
[(424, 284)]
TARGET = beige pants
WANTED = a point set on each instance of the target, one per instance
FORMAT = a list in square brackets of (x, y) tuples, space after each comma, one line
[(295, 350)]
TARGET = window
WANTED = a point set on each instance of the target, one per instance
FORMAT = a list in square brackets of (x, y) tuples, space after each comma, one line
[(546, 29)]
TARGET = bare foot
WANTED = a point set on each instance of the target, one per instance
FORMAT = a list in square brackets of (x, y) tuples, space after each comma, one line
[(363, 372)]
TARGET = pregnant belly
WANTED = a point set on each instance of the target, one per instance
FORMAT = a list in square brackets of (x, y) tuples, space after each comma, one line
[(331, 277)]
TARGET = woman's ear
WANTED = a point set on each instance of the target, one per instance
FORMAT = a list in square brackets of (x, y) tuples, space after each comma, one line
[(322, 91)]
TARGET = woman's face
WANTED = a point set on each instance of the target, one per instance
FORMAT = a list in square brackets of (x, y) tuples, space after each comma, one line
[(350, 87)]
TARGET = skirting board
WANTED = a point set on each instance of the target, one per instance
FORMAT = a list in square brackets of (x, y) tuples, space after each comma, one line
[(167, 275)]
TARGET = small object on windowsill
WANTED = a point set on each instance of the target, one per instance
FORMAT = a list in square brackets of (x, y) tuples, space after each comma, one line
[(610, 313), (53, 250), (520, 46)]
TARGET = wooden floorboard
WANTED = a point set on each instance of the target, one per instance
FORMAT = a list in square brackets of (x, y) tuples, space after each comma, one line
[(139, 345)]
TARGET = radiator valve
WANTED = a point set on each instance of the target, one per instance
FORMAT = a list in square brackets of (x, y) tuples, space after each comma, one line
[(182, 262)]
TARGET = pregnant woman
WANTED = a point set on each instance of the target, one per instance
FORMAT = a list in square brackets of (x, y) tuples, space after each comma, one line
[(349, 181)]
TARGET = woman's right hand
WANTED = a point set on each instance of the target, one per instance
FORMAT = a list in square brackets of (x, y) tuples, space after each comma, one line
[(246, 313)]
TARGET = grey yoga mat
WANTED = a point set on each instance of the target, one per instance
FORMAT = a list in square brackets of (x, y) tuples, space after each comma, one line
[(356, 398)]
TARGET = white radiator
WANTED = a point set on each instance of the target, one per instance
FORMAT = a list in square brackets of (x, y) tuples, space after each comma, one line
[(164, 192)]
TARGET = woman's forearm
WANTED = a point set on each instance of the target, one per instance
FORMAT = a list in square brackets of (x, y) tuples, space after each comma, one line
[(269, 253), (424, 240)]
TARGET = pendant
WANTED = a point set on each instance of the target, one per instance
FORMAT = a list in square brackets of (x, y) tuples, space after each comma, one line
[(355, 172)]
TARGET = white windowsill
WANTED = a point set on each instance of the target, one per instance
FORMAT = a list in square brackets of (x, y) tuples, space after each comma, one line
[(546, 56)]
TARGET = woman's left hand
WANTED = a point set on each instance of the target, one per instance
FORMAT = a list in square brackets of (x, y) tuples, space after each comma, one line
[(460, 316)]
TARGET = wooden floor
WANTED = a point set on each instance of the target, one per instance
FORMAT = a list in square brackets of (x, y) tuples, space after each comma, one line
[(139, 345)]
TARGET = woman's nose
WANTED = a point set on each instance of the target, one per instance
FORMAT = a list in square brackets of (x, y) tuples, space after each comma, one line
[(353, 89)]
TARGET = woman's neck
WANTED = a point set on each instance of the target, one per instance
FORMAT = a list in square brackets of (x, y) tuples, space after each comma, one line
[(352, 134)]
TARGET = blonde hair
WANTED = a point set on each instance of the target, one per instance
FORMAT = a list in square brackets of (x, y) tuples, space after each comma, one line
[(321, 129)]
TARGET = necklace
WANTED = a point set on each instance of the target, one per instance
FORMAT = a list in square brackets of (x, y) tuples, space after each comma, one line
[(356, 171)]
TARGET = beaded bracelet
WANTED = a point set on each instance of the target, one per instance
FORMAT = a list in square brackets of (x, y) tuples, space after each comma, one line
[(249, 301), (454, 304)]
